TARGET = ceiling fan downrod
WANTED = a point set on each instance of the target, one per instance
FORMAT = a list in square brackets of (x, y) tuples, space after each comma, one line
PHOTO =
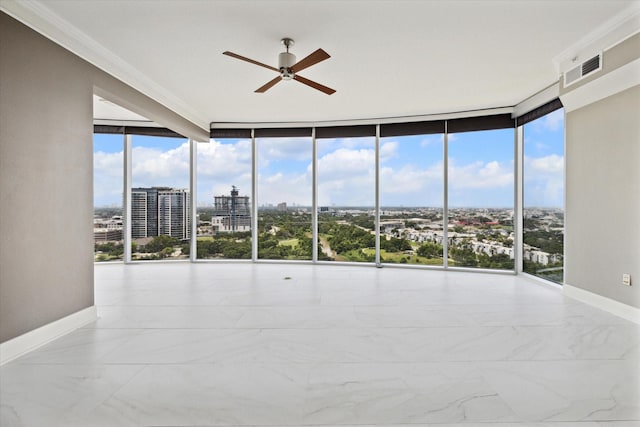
[(286, 60)]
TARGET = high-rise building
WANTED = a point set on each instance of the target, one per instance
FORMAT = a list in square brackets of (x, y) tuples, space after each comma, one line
[(160, 211), (232, 213)]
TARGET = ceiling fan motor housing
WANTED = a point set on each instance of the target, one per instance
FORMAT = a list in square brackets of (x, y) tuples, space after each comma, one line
[(286, 60)]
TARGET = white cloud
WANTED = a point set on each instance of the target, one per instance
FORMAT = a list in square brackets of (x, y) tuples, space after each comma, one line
[(153, 167), (544, 181), (221, 165), (292, 188), (552, 122), (480, 175), (388, 150), (217, 159), (326, 146), (107, 178), (298, 149), (346, 162), (108, 164), (433, 140), (409, 179), (552, 164), (354, 191), (347, 176), (411, 186)]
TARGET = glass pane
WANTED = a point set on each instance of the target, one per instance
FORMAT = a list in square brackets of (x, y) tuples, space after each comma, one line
[(411, 199), (224, 202), (160, 198), (346, 199), (284, 198), (481, 199), (544, 197), (108, 157)]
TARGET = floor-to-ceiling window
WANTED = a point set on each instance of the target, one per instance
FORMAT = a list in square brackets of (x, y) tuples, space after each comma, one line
[(411, 199), (543, 198), (481, 198), (160, 198), (108, 187), (284, 196), (224, 205), (478, 205), (346, 198)]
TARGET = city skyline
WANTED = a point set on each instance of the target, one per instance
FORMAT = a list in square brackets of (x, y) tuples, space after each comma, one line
[(480, 168)]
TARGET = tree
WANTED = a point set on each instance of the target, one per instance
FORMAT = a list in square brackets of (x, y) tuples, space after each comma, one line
[(463, 256), (185, 249), (394, 245), (158, 243), (111, 249), (430, 250), (165, 252), (546, 241), (498, 261)]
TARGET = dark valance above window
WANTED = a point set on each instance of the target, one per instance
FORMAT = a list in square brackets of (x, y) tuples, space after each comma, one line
[(136, 130), (412, 128), (345, 131), (282, 132), (472, 124), (542, 110), (230, 133), (465, 124)]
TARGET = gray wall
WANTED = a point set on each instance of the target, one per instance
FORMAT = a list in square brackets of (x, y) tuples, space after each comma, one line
[(603, 189), (46, 175), (614, 58)]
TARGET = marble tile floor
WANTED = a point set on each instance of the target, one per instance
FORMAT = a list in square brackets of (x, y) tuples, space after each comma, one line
[(229, 344)]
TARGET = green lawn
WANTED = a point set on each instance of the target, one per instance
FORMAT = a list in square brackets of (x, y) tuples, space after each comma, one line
[(288, 242), (396, 258)]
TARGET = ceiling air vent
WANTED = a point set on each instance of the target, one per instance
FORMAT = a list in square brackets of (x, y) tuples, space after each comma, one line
[(581, 71)]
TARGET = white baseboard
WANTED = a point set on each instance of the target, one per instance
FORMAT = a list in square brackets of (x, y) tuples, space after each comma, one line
[(607, 304), (16, 347)]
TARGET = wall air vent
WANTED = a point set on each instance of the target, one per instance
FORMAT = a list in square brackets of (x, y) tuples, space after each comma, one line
[(583, 70)]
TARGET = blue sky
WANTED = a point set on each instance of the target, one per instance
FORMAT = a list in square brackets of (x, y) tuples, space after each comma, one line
[(480, 168), (283, 171), (544, 161)]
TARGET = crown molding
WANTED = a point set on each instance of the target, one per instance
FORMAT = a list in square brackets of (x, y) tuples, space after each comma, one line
[(36, 15), (612, 32)]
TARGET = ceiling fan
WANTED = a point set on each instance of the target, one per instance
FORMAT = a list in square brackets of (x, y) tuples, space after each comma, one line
[(288, 67)]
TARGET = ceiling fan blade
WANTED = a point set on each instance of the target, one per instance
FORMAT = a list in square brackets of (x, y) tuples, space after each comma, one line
[(269, 85), (242, 58), (315, 57), (314, 85)]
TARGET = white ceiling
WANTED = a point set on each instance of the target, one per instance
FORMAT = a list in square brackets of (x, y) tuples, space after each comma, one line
[(388, 58)]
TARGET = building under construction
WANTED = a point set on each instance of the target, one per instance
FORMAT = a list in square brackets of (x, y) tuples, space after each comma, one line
[(232, 213)]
